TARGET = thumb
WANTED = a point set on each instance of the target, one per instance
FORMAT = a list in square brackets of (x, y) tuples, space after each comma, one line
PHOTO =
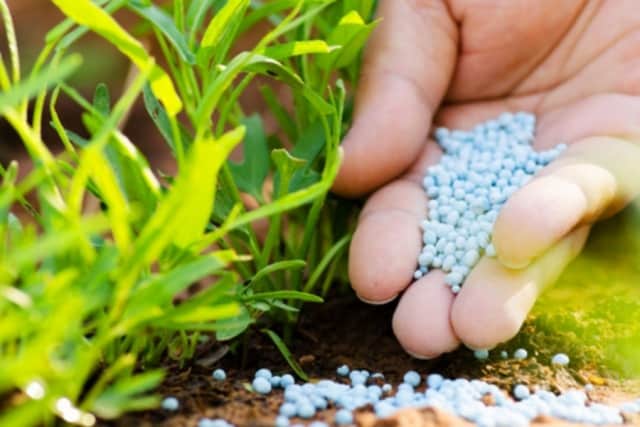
[(407, 67)]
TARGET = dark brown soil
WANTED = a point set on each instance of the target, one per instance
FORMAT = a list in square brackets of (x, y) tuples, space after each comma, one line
[(347, 331)]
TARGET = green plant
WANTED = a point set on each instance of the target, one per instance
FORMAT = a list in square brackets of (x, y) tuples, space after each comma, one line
[(87, 298)]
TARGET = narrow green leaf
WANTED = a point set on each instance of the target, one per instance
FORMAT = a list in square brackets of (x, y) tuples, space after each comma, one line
[(335, 250), (139, 383), (297, 48), (263, 10), (351, 34), (199, 314), (54, 243), (283, 204), (123, 395), (98, 169), (363, 7), (223, 26), (35, 84), (163, 288), (84, 12), (241, 62), (275, 69), (182, 215), (286, 354), (159, 116), (12, 42), (196, 13), (134, 176), (64, 26), (73, 36), (206, 159), (164, 23), (152, 304), (317, 102), (297, 295), (278, 266), (282, 306)]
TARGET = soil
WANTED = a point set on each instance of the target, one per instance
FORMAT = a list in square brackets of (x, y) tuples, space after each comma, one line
[(345, 330)]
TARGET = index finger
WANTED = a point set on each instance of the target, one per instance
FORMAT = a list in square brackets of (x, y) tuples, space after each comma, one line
[(407, 67)]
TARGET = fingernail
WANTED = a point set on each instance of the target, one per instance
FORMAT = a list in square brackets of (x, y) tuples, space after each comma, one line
[(377, 302), (420, 356)]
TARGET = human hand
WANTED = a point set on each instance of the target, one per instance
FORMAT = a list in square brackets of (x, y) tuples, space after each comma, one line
[(575, 64)]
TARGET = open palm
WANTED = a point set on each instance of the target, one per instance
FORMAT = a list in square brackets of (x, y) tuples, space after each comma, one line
[(575, 64)]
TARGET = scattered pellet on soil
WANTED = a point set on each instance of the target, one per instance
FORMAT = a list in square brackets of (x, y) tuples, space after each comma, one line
[(520, 354), (481, 354), (170, 403), (474, 401), (560, 359), (219, 375)]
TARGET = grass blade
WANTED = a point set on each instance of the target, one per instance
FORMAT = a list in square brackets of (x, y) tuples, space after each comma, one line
[(294, 295), (297, 48), (350, 34), (224, 24), (46, 78), (278, 266), (164, 23), (286, 354), (88, 14), (331, 253)]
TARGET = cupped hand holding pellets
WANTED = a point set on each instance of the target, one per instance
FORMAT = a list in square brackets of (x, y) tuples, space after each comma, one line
[(574, 64)]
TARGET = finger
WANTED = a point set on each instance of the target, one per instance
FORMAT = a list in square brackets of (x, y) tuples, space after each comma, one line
[(406, 70), (595, 177), (385, 246), (386, 243), (495, 300), (421, 321)]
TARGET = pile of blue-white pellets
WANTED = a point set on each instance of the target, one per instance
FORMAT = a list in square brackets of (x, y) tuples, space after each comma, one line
[(479, 402), (477, 173)]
